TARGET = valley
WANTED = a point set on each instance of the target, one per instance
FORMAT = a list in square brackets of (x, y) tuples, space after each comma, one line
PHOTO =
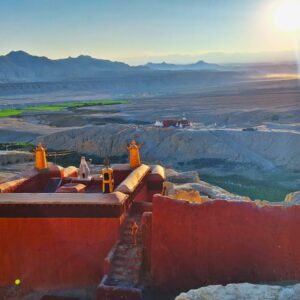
[(261, 163)]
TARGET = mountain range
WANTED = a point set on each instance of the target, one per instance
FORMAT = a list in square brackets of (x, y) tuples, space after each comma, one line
[(199, 65), (19, 66)]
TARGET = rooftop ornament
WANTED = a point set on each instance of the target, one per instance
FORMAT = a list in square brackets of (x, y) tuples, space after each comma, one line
[(40, 157), (134, 154), (107, 177), (84, 170)]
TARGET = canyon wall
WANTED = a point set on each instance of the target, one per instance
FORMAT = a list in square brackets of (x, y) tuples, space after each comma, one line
[(264, 149)]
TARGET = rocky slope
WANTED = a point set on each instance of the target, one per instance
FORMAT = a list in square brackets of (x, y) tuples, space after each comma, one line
[(14, 157), (266, 150), (293, 198), (190, 180), (243, 291)]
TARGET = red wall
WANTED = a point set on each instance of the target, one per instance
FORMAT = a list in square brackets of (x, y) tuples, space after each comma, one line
[(141, 194), (48, 253), (219, 242), (147, 238)]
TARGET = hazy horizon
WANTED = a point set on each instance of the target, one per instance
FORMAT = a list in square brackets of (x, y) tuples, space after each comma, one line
[(141, 31), (217, 57)]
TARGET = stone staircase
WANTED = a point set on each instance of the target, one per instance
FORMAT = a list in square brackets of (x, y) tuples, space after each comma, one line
[(127, 259), (125, 265)]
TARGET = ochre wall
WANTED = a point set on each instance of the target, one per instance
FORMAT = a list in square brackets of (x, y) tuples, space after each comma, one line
[(219, 242), (54, 253)]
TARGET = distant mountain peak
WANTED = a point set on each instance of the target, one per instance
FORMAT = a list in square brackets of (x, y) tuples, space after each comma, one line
[(199, 65), (21, 66), (19, 53), (24, 67), (84, 56)]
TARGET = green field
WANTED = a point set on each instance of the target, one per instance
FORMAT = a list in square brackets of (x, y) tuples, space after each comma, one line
[(10, 112), (43, 108), (58, 106), (24, 146)]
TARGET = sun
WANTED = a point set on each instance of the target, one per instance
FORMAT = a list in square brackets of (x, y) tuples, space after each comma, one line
[(287, 15)]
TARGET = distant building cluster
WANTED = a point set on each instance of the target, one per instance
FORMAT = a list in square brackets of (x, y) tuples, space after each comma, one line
[(180, 123)]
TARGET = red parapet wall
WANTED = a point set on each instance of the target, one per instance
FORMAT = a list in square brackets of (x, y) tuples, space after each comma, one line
[(55, 253), (147, 238), (220, 242)]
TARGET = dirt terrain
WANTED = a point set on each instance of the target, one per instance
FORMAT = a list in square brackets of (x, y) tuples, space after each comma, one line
[(217, 145)]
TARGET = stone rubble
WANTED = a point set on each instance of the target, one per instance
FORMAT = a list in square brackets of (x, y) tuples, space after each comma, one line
[(190, 180), (243, 291)]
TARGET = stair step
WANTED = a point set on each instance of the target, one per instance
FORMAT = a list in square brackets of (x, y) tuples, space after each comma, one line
[(130, 279), (127, 259)]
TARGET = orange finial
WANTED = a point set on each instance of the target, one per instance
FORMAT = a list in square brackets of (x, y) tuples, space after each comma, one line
[(40, 157), (134, 154)]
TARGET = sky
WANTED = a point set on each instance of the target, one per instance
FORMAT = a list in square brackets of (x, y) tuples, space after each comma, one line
[(138, 31)]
